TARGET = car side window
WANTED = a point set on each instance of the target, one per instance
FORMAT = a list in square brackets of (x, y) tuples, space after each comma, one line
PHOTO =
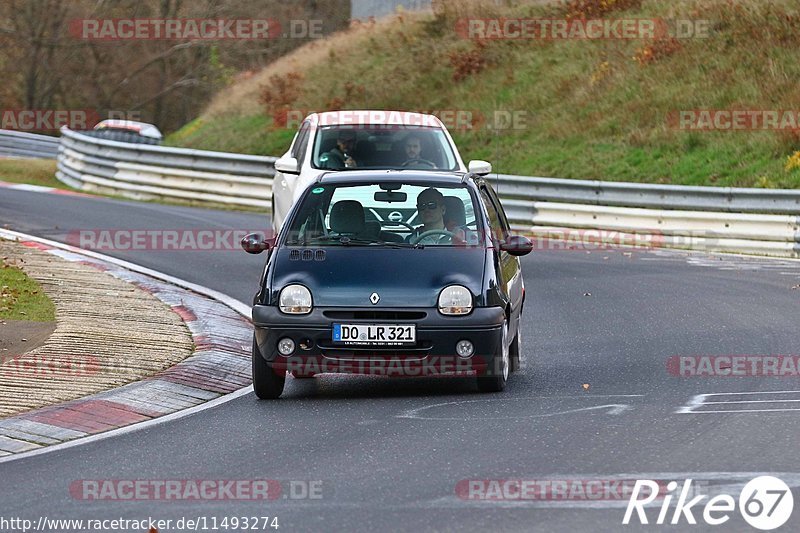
[(301, 143), (494, 217), (499, 208)]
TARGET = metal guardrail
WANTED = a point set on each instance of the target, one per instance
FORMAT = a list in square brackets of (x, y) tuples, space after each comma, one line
[(143, 171), (711, 219), (646, 195), (589, 226), (755, 221), (22, 144)]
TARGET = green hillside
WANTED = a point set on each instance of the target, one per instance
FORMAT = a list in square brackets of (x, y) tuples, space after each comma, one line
[(597, 109)]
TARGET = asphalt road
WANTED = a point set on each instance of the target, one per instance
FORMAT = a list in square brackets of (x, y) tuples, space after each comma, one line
[(390, 453)]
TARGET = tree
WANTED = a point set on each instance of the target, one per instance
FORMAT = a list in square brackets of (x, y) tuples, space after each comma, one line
[(47, 65)]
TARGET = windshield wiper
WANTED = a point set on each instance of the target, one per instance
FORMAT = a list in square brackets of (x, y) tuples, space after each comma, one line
[(312, 240), (392, 244), (354, 241), (349, 241)]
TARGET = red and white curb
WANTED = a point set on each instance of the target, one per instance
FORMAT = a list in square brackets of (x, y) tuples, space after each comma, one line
[(41, 188), (219, 366)]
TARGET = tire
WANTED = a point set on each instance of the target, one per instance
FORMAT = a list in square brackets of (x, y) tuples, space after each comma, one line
[(496, 383), (267, 384), (297, 375)]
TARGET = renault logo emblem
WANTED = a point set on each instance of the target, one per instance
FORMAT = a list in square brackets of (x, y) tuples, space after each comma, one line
[(374, 298)]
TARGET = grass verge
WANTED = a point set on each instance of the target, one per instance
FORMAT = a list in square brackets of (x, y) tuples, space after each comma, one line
[(22, 298), (31, 171)]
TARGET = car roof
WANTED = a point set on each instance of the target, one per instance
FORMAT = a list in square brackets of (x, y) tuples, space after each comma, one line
[(363, 117), (142, 128), (368, 176)]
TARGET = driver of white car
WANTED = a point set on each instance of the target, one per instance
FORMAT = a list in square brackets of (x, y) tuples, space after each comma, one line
[(413, 148)]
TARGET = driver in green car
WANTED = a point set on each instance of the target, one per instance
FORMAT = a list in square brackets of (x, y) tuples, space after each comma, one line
[(431, 209)]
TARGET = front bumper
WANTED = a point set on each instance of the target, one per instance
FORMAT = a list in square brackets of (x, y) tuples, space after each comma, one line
[(433, 353)]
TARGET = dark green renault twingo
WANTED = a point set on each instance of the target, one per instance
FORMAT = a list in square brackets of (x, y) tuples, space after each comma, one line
[(394, 273)]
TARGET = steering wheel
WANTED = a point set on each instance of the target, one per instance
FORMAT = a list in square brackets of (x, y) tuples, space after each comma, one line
[(397, 223), (430, 232), (418, 161)]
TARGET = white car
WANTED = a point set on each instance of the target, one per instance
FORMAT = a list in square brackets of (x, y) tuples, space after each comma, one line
[(130, 131), (359, 140)]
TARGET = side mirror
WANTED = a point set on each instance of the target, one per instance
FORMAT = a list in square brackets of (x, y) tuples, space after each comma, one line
[(481, 168), (287, 165), (255, 243), (517, 245)]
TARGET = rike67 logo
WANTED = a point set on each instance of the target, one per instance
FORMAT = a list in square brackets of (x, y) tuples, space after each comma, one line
[(765, 503)]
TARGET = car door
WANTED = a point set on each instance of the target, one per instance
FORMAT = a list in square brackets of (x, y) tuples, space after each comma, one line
[(284, 185), (508, 266)]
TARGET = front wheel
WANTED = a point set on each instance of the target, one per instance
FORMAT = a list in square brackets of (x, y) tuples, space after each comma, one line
[(501, 366), (267, 384)]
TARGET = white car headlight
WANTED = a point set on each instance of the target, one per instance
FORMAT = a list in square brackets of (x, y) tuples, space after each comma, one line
[(455, 300), (295, 300)]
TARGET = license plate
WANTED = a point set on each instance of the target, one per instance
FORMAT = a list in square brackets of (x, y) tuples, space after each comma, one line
[(375, 334)]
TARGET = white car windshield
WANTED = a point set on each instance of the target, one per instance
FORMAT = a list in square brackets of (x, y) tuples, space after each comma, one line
[(388, 213), (383, 147)]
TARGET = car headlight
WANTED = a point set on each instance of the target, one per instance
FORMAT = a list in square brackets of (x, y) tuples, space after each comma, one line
[(455, 300), (295, 300)]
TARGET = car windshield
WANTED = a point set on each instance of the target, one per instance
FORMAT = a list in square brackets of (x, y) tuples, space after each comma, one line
[(383, 147), (384, 214)]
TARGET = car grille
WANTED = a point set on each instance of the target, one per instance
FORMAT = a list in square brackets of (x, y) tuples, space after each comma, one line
[(375, 315)]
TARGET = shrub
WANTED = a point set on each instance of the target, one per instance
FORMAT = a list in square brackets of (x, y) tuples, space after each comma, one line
[(658, 49), (469, 62), (591, 9), (278, 97)]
